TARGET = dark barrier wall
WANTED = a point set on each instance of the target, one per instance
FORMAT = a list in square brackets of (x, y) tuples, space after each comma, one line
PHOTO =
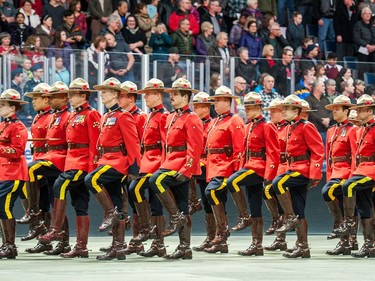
[(317, 215)]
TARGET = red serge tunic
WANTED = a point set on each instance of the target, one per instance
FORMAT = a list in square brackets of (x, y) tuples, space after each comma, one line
[(39, 129)]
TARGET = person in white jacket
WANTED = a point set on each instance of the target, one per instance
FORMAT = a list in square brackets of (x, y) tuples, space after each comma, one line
[(31, 18)]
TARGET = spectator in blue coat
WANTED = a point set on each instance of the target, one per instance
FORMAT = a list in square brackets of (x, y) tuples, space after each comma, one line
[(252, 41)]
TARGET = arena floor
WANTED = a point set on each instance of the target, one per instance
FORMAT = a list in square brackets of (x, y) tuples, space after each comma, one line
[(205, 267)]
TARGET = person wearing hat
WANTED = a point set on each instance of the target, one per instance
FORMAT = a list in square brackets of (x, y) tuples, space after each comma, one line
[(269, 196), (184, 138), (127, 100), (305, 154), (310, 59), (37, 73), (149, 213), (119, 149), (82, 131), (357, 190), (340, 151), (52, 163), (13, 173), (261, 161), (38, 215), (224, 147)]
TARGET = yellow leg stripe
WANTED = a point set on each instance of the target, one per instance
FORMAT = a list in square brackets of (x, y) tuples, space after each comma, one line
[(94, 180), (352, 185), (78, 174), (9, 198), (35, 167), (138, 187), (332, 189), (63, 189), (267, 191), (240, 178), (213, 192), (284, 179), (161, 177), (24, 191), (123, 178)]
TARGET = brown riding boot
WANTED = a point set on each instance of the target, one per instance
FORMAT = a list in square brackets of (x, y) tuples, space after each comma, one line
[(334, 209), (63, 245), (368, 249), (302, 250), (183, 250), (26, 219), (117, 250), (135, 247), (146, 229), (8, 250), (111, 215), (274, 210), (349, 222), (195, 204), (353, 243), (222, 232), (210, 230), (342, 248), (39, 247), (128, 224), (256, 247), (278, 244), (177, 218), (157, 246), (55, 232), (80, 249), (291, 220), (244, 220)]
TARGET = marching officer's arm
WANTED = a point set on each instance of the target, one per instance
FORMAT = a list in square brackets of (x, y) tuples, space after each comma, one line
[(315, 144), (194, 141), (327, 150), (141, 121), (353, 146), (93, 124), (163, 134), (14, 146), (238, 135), (272, 151)]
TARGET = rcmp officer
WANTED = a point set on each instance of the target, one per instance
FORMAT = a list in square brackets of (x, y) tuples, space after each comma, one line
[(260, 166), (183, 136), (202, 105), (82, 132), (358, 188), (13, 173), (52, 163), (305, 154), (118, 146), (150, 213), (224, 146), (340, 150)]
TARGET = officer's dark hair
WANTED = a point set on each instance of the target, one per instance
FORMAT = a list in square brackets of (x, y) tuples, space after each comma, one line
[(184, 93), (348, 108), (132, 95), (68, 13), (17, 105), (87, 95), (299, 110)]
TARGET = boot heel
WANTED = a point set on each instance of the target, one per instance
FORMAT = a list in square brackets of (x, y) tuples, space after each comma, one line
[(162, 253), (224, 249), (283, 247), (306, 254), (347, 252), (259, 252)]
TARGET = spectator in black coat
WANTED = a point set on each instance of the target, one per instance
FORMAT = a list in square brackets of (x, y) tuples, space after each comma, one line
[(245, 68), (296, 33), (19, 31), (214, 18), (282, 72)]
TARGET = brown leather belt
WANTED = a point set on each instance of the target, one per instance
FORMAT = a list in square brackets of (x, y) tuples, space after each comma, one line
[(107, 149), (282, 157), (345, 158), (148, 147), (42, 149), (215, 151), (171, 149), (252, 154), (204, 155), (77, 145), (57, 147), (292, 159), (361, 159)]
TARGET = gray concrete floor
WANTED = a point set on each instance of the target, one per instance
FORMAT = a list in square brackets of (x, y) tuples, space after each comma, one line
[(271, 266)]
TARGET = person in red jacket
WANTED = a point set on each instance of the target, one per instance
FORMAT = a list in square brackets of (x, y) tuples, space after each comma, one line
[(150, 213), (260, 166), (52, 163), (357, 190), (224, 147), (340, 150), (38, 214), (305, 154), (13, 172), (82, 131), (119, 149), (183, 136), (184, 12)]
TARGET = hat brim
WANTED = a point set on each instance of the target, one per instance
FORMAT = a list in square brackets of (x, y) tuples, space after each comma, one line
[(55, 93), (146, 90), (105, 87), (19, 101), (224, 96), (271, 107), (309, 110), (32, 94), (332, 105), (128, 92), (171, 90), (292, 104), (81, 90), (202, 102)]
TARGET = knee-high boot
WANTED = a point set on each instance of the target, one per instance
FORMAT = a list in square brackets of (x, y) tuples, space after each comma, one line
[(55, 232), (334, 209), (367, 250), (243, 219), (302, 250), (25, 204), (349, 222), (63, 245), (291, 220), (157, 246), (210, 230), (128, 224), (117, 250), (8, 249), (80, 249), (256, 247), (111, 215), (195, 204), (146, 228), (276, 219), (183, 250), (353, 243), (135, 246)]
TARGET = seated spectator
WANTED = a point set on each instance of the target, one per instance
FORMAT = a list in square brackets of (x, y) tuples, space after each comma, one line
[(98, 46), (267, 62), (345, 74), (80, 19), (145, 23), (204, 41), (182, 38), (62, 74), (121, 59), (252, 10), (311, 58), (276, 39), (122, 13), (214, 17), (75, 38), (16, 77), (45, 32), (160, 42), (295, 33), (245, 69), (359, 89), (236, 31), (303, 88), (7, 9), (56, 11), (268, 94), (282, 72), (32, 49), (251, 40), (26, 70), (331, 93), (60, 48), (320, 72), (19, 32), (184, 12), (259, 84), (7, 49), (347, 89), (31, 18), (331, 66)]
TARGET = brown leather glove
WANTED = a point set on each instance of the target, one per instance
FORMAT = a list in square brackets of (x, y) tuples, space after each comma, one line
[(181, 177), (313, 183)]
